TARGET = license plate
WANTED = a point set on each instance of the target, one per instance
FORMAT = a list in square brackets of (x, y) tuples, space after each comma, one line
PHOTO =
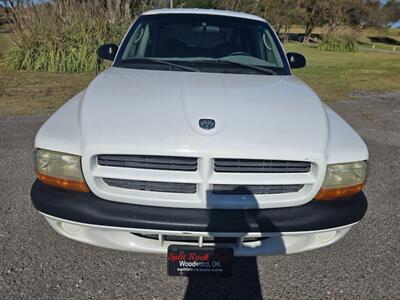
[(196, 261)]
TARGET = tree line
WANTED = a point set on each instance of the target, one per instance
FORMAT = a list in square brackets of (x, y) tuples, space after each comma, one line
[(282, 14)]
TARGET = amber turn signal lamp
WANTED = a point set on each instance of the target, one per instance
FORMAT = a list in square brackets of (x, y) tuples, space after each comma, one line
[(77, 186), (335, 193)]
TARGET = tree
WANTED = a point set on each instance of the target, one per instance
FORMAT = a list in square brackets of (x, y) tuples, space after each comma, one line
[(280, 14), (372, 13), (250, 6), (392, 10), (195, 3), (311, 13), (333, 13), (12, 8)]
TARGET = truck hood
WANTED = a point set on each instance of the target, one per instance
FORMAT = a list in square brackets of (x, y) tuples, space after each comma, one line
[(130, 111)]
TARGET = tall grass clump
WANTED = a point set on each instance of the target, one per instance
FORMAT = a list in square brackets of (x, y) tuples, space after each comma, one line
[(340, 40), (61, 36)]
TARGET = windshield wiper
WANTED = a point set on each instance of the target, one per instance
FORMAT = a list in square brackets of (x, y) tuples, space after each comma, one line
[(233, 63), (157, 61)]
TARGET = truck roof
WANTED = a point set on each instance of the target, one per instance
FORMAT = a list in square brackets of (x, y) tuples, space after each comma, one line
[(202, 11)]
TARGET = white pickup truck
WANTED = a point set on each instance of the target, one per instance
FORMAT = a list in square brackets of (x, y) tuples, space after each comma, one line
[(199, 136)]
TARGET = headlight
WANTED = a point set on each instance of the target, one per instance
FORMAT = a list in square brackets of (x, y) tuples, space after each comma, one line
[(60, 170), (343, 180)]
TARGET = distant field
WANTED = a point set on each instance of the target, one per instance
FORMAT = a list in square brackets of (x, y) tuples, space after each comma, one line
[(394, 33), (391, 37), (333, 75)]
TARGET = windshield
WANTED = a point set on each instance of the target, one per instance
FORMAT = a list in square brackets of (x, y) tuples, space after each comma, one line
[(205, 43)]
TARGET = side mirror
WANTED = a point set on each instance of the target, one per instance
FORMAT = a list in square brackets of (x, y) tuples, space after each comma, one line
[(296, 60), (107, 51)]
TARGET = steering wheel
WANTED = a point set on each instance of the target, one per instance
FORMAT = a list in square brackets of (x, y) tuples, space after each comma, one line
[(239, 53)]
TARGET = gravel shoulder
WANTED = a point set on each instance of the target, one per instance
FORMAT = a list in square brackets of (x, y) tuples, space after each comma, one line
[(37, 263)]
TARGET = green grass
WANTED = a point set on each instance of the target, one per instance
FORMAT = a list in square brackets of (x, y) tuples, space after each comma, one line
[(334, 75), (380, 46), (32, 93)]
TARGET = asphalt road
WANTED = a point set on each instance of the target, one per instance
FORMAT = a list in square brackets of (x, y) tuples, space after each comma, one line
[(35, 262)]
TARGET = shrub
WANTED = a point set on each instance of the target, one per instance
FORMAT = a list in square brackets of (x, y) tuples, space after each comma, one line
[(343, 40), (57, 37)]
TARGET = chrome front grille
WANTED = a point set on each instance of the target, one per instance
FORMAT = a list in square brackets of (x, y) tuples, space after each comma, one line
[(149, 162), (228, 165), (230, 189), (152, 186)]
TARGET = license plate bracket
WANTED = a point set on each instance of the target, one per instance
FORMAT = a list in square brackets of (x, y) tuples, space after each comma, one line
[(185, 260)]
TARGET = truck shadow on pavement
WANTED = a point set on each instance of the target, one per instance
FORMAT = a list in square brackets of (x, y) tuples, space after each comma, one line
[(245, 281)]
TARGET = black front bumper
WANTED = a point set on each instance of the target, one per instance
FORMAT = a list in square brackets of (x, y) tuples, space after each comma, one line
[(90, 209)]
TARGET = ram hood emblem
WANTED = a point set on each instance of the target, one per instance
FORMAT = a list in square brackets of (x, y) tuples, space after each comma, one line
[(207, 124)]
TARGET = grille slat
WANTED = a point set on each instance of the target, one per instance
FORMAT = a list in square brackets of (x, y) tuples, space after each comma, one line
[(225, 165), (152, 186), (195, 239), (170, 163), (230, 189), (260, 163), (258, 170)]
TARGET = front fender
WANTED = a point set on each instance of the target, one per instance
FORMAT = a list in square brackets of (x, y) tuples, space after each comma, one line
[(61, 132), (344, 144)]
